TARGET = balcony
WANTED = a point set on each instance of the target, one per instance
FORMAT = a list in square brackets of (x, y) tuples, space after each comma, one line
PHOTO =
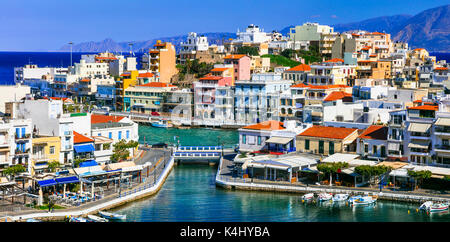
[(439, 131), (420, 152), (421, 136), (22, 153), (398, 138), (66, 148), (23, 136), (67, 133), (442, 148)]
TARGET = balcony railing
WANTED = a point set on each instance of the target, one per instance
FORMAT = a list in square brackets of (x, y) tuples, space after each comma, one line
[(21, 152), (23, 136)]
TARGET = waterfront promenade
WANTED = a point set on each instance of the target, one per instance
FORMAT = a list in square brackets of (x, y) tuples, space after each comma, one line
[(225, 179), (150, 185)]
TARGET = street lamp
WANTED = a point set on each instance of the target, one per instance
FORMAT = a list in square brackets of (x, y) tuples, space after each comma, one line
[(71, 44)]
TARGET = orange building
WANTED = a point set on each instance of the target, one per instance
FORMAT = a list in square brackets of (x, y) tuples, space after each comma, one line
[(162, 60)]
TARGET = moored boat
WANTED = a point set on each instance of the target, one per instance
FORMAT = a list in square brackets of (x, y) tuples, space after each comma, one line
[(113, 216), (438, 207), (426, 205), (340, 197), (308, 196), (97, 218), (325, 196), (77, 219), (366, 200)]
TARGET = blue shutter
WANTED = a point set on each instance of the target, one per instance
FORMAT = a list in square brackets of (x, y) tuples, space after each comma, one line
[(18, 132), (23, 133), (128, 134), (120, 135), (110, 135)]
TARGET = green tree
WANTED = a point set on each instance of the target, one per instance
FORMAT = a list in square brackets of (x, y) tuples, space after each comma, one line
[(247, 50), (52, 166), (121, 152), (419, 176), (77, 161), (372, 171), (331, 168), (14, 170)]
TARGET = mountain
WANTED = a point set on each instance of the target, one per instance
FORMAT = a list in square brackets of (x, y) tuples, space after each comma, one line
[(429, 29), (112, 46), (388, 24)]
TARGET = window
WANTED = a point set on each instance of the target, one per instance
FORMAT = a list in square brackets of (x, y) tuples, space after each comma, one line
[(321, 144), (366, 148), (374, 149), (306, 144), (259, 140), (110, 135), (244, 139), (52, 150), (331, 147)]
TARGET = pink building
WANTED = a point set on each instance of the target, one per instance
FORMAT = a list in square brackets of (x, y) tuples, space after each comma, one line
[(241, 64)]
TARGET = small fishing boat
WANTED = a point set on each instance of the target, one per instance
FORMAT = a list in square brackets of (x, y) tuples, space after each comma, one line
[(366, 200), (353, 198), (340, 197), (95, 218), (78, 219), (161, 124), (113, 216), (438, 207), (308, 196), (325, 196)]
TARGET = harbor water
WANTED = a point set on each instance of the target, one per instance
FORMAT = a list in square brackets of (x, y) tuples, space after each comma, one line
[(190, 194)]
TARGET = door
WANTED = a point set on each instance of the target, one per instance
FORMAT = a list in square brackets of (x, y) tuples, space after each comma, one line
[(321, 142)]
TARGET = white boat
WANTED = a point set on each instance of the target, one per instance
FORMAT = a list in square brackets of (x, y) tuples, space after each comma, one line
[(366, 200), (340, 197), (325, 196), (95, 218), (77, 219), (308, 196), (438, 207), (426, 205), (433, 207), (113, 216)]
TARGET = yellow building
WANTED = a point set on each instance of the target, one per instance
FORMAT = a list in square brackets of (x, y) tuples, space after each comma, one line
[(46, 149), (122, 83), (327, 140)]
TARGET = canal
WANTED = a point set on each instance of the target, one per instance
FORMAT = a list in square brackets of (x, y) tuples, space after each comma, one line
[(190, 194)]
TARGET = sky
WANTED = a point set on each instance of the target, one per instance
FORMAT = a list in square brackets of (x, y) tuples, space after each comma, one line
[(45, 25)]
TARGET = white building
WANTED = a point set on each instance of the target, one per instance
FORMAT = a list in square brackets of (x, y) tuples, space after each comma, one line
[(28, 72), (252, 34), (9, 93)]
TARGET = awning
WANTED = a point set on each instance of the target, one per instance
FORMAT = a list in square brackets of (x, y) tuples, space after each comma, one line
[(399, 173), (88, 163), (65, 180), (420, 144), (48, 182), (393, 146), (418, 127), (279, 140), (132, 168), (443, 122), (310, 169), (84, 148)]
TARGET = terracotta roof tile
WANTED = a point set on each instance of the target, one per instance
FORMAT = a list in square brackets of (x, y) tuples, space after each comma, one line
[(337, 95), (327, 132), (146, 74), (335, 60), (301, 67), (378, 132), (425, 107), (96, 118), (220, 69), (79, 138), (267, 125)]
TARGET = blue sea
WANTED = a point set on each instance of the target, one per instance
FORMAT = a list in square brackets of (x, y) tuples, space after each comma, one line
[(9, 60)]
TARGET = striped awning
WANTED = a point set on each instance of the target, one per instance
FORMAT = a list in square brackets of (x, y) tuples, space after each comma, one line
[(419, 127), (393, 146)]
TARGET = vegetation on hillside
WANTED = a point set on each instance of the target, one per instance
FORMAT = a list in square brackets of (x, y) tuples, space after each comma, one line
[(195, 67), (282, 61), (248, 50)]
